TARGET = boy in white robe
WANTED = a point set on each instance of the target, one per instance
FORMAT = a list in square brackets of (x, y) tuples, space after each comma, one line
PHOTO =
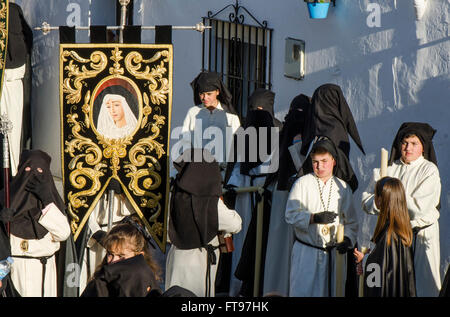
[(317, 203), (413, 161)]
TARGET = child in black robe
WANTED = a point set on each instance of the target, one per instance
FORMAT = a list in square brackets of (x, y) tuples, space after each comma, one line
[(389, 268)]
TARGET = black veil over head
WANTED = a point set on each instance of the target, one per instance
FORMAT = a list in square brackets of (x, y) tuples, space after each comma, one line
[(26, 205), (331, 117), (193, 213), (423, 131), (294, 124), (209, 81)]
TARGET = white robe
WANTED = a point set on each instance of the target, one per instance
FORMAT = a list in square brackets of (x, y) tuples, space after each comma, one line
[(279, 246), (309, 266), (98, 220), (11, 104), (187, 268), (26, 274), (218, 118), (423, 189)]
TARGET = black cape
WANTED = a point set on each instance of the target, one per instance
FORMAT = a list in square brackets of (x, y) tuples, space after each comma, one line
[(27, 206), (24, 223), (128, 278), (193, 218), (397, 269), (209, 81)]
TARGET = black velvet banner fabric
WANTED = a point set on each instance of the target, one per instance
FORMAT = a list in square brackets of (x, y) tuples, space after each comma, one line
[(130, 146)]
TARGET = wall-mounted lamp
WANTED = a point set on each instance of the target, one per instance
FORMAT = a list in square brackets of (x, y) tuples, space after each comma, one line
[(294, 61), (420, 6)]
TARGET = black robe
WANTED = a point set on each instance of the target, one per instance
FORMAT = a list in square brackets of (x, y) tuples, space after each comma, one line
[(397, 269), (128, 278)]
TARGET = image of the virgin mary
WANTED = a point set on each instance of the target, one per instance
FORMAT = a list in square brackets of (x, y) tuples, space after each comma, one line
[(116, 119)]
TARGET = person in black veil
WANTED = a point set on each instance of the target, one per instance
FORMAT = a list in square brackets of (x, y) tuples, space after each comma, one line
[(291, 138), (38, 229), (260, 161), (281, 236), (393, 239), (196, 217), (413, 161), (331, 117)]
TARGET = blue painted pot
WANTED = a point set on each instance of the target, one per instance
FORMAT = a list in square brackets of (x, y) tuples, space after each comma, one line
[(318, 10)]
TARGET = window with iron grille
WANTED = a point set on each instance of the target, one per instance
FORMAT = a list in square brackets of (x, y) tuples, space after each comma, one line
[(239, 52)]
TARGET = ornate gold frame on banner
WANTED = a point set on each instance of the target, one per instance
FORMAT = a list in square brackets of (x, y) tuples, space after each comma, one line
[(4, 21), (139, 159)]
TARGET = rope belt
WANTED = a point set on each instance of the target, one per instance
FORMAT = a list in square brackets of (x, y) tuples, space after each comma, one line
[(43, 260), (211, 260), (327, 249)]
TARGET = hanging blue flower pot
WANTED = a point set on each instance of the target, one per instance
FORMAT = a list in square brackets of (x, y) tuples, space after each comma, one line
[(318, 10)]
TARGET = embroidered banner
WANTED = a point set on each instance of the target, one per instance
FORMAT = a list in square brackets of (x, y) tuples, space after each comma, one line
[(3, 38), (129, 143)]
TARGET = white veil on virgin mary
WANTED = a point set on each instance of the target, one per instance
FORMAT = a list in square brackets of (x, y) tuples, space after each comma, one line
[(106, 125)]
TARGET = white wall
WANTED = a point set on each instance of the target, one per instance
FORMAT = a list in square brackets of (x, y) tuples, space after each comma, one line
[(389, 74)]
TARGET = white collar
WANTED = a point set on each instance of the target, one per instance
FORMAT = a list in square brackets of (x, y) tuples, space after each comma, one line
[(416, 162), (217, 108)]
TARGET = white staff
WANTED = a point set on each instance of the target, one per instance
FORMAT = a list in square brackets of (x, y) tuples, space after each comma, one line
[(384, 162), (340, 261)]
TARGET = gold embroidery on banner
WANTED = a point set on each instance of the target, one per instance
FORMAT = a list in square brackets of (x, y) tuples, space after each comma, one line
[(116, 57), (91, 157), (3, 33), (154, 77), (98, 62)]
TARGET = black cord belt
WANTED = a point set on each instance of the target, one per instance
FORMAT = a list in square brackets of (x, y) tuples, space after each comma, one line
[(43, 260), (211, 260)]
